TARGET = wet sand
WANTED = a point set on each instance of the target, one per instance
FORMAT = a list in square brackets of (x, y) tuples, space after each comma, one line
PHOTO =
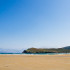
[(35, 62)]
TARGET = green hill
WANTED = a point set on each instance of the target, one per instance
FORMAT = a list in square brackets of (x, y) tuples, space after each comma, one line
[(50, 50)]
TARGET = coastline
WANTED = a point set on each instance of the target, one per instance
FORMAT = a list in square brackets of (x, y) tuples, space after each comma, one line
[(34, 54), (34, 62)]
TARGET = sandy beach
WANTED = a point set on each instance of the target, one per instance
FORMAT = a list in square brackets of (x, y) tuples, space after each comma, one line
[(35, 62)]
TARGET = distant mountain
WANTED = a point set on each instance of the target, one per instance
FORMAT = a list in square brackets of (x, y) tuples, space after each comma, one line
[(67, 47), (10, 51)]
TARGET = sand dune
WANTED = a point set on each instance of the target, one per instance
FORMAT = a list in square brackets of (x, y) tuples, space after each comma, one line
[(35, 62)]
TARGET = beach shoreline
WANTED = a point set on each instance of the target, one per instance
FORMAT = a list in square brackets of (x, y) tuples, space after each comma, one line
[(34, 62)]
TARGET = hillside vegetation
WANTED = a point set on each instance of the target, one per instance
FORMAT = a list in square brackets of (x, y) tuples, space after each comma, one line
[(51, 50)]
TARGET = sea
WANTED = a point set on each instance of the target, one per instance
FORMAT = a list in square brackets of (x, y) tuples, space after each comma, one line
[(34, 53)]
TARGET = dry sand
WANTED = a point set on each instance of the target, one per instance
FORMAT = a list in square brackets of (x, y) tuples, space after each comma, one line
[(35, 62)]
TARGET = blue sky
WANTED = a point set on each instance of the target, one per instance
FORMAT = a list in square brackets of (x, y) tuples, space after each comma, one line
[(34, 23)]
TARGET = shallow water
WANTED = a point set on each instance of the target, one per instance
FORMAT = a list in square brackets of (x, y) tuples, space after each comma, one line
[(37, 53)]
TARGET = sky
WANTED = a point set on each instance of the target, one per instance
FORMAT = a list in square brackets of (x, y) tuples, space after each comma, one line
[(34, 23)]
